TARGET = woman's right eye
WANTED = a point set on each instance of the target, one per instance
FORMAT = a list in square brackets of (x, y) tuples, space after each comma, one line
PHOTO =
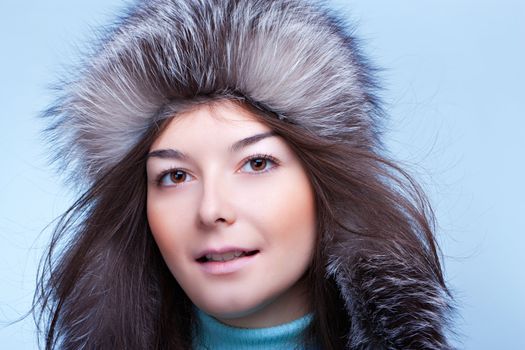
[(172, 178)]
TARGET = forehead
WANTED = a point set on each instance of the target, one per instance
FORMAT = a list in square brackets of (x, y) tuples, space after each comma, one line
[(220, 121)]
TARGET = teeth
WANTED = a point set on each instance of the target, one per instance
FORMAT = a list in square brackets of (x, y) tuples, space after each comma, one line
[(224, 257)]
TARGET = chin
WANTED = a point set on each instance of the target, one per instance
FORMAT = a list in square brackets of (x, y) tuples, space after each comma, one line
[(231, 308)]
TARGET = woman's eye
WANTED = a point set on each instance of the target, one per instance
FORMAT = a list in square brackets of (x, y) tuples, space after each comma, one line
[(258, 165), (174, 177)]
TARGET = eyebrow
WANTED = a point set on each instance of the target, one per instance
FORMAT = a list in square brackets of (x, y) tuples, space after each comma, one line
[(238, 145)]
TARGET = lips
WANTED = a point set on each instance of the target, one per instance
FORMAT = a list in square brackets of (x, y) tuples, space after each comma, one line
[(224, 255), (226, 260)]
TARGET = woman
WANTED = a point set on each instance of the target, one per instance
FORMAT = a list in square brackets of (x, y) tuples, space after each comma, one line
[(235, 192)]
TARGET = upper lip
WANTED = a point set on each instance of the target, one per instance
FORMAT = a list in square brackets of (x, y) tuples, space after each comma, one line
[(222, 250)]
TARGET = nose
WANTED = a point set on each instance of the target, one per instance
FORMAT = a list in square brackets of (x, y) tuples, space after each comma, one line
[(215, 207)]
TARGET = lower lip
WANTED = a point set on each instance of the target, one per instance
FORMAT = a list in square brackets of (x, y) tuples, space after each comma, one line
[(226, 267)]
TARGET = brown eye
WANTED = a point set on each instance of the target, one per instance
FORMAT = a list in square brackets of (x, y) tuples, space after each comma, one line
[(174, 178), (178, 176), (258, 164)]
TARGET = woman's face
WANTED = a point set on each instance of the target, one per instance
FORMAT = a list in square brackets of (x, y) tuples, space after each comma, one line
[(232, 211)]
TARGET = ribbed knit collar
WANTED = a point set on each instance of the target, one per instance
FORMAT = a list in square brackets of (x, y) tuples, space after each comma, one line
[(215, 335)]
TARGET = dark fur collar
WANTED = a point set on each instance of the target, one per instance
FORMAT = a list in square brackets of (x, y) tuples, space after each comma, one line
[(392, 304)]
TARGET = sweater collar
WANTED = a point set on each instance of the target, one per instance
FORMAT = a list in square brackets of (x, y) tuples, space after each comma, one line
[(213, 334)]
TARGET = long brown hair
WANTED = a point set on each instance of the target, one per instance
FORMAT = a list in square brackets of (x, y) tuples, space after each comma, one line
[(104, 284)]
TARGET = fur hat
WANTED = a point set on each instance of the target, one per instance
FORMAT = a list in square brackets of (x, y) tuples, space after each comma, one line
[(291, 57)]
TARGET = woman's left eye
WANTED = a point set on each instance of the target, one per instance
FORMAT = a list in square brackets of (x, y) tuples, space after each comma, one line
[(259, 164)]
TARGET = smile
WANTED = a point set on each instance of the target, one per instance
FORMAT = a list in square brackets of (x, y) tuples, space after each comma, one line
[(225, 256), (225, 263)]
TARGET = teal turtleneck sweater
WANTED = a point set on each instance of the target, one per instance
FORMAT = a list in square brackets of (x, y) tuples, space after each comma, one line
[(214, 335)]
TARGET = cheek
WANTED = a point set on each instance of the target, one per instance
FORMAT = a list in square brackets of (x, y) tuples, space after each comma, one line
[(295, 225), (167, 223), (284, 209)]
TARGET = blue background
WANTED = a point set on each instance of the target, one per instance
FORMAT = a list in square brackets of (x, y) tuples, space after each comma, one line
[(453, 77)]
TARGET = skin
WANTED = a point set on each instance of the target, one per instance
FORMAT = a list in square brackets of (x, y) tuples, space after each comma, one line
[(219, 198)]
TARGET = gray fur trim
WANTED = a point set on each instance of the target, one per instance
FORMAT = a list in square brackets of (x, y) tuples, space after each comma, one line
[(288, 56)]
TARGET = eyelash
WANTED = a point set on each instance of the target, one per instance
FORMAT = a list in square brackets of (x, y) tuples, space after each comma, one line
[(158, 180)]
